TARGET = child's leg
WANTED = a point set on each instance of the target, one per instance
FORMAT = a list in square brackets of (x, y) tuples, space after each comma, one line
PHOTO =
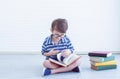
[(50, 65), (65, 69)]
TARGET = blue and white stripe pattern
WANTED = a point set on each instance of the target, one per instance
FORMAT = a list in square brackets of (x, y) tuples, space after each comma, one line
[(64, 43)]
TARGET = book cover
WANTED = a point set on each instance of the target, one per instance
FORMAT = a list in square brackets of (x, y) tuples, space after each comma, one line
[(103, 67), (102, 59), (113, 62), (66, 61), (100, 53)]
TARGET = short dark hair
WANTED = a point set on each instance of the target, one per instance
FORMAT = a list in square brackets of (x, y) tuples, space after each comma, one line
[(60, 25)]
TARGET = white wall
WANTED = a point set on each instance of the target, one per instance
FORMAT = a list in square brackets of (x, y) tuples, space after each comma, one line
[(93, 24)]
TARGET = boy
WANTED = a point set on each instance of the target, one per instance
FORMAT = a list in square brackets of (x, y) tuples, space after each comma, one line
[(58, 42)]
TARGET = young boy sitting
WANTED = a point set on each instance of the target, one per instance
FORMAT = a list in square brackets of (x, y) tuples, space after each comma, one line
[(54, 44)]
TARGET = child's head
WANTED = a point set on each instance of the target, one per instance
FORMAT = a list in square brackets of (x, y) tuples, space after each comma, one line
[(59, 25)]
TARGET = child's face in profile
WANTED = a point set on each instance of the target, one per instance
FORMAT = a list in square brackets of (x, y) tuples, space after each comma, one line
[(57, 35)]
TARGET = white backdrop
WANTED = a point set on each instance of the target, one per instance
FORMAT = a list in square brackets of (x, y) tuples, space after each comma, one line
[(93, 24)]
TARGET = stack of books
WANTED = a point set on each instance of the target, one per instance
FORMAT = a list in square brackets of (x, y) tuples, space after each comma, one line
[(101, 60)]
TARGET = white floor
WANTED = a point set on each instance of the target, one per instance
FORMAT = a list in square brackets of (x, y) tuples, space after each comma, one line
[(30, 67)]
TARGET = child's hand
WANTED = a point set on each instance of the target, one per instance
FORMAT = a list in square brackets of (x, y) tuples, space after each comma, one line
[(54, 52), (66, 53)]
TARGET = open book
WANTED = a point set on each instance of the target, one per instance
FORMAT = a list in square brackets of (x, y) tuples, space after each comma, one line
[(66, 61)]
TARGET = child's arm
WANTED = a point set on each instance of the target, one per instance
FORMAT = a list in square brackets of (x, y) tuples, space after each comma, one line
[(66, 52), (52, 52)]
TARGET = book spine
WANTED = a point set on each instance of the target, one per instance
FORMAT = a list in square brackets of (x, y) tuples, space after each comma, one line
[(102, 59), (96, 59)]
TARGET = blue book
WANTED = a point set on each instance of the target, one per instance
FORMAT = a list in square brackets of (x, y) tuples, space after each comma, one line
[(103, 67), (102, 59)]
